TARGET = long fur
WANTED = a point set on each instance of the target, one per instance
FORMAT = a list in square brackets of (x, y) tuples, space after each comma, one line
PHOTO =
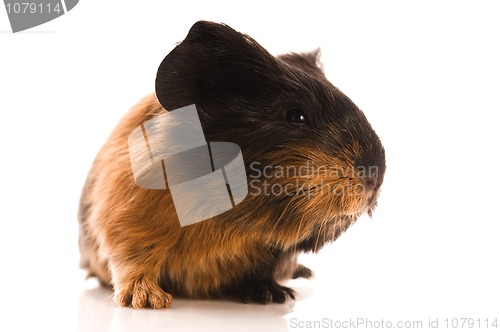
[(130, 238)]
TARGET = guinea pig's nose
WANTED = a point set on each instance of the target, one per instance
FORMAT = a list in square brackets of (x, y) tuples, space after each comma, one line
[(369, 181)]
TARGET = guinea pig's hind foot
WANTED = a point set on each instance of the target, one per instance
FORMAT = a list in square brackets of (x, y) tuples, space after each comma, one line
[(302, 272), (143, 294), (265, 291)]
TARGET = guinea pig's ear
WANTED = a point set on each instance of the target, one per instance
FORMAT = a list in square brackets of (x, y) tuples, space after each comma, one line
[(305, 61), (215, 64)]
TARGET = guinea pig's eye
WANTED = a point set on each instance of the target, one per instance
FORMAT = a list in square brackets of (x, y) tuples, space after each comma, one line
[(297, 117)]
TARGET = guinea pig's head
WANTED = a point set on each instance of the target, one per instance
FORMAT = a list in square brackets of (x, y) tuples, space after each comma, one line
[(313, 161)]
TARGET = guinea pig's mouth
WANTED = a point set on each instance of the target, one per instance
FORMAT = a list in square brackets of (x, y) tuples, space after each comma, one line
[(372, 204), (352, 200)]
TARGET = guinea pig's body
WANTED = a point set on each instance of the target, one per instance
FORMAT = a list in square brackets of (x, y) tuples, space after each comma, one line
[(281, 112)]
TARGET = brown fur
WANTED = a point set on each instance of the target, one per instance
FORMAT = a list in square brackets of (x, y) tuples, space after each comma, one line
[(130, 237)]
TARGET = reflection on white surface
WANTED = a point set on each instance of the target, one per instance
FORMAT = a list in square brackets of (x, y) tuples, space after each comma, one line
[(96, 312)]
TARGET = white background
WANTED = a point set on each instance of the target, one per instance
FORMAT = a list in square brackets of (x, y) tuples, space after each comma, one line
[(427, 76)]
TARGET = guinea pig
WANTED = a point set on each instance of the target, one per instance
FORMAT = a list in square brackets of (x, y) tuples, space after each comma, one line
[(295, 130)]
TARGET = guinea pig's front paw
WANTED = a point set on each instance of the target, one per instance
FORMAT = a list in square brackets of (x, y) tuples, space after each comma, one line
[(143, 294), (266, 292)]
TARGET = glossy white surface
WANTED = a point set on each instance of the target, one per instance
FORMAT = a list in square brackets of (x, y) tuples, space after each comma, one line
[(426, 75)]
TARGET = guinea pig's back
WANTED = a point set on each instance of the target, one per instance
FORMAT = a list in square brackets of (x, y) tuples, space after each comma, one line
[(109, 178)]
